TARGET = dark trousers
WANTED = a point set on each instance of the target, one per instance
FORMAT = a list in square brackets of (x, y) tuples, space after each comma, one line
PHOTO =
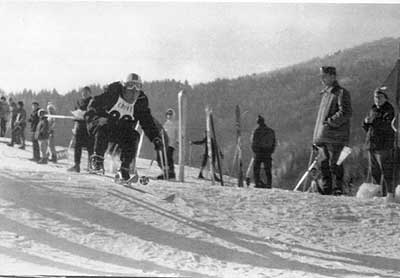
[(82, 140), (170, 159), (35, 147), (125, 137), (381, 167), (205, 160), (332, 174), (266, 159), (20, 132), (3, 127)]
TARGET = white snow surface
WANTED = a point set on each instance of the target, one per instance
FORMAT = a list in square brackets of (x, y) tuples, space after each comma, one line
[(53, 222)]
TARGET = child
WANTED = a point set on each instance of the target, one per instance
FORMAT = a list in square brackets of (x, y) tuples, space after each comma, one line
[(42, 135)]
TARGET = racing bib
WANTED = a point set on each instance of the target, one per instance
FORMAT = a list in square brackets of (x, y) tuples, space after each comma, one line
[(122, 110)]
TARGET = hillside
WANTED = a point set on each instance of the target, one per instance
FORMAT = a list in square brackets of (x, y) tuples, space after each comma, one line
[(288, 98), (57, 223)]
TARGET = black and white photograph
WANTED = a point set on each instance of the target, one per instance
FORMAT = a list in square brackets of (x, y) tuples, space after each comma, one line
[(207, 139)]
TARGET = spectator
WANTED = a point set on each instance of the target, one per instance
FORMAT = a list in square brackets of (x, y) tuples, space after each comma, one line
[(380, 142), (263, 145), (4, 115), (34, 121), (42, 135), (51, 110)]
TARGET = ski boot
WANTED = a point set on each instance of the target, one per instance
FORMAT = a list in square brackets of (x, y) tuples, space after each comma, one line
[(123, 177), (96, 164), (144, 180)]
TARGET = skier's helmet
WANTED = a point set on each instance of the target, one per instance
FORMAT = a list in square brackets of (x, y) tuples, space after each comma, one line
[(133, 81)]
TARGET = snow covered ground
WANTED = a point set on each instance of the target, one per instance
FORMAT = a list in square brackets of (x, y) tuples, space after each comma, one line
[(56, 223)]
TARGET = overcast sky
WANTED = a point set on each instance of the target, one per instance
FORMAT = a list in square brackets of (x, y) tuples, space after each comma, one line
[(68, 45)]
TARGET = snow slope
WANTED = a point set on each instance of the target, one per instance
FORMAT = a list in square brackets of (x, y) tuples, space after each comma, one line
[(58, 223)]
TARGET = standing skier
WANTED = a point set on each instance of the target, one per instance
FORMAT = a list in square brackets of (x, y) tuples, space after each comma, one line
[(332, 129), (112, 117), (82, 137), (263, 145), (380, 142)]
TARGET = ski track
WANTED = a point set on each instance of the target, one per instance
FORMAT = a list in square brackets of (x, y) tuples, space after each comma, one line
[(59, 223)]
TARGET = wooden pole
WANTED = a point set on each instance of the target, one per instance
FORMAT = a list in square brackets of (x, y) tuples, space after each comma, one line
[(209, 144), (182, 111)]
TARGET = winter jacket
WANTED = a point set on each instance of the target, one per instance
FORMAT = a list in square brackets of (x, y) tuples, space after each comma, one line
[(34, 119), (21, 117), (380, 135), (171, 127), (4, 110), (42, 131), (333, 120), (263, 139), (52, 121), (103, 105), (13, 113)]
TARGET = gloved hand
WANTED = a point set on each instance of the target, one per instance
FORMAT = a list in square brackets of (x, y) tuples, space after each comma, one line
[(158, 145), (102, 121)]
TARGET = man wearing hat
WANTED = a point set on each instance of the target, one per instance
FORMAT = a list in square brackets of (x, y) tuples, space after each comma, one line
[(263, 143), (34, 121), (112, 117), (380, 142), (332, 129)]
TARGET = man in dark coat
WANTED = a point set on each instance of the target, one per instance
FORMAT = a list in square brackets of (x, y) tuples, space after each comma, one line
[(263, 144), (112, 117), (332, 130), (34, 121), (82, 137), (380, 141)]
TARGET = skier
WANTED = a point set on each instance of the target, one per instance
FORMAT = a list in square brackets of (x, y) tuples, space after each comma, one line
[(263, 143), (205, 155), (171, 129), (332, 129), (112, 117), (34, 121), (82, 137), (380, 142)]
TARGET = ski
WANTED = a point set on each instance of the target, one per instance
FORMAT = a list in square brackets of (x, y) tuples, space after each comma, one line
[(214, 137), (248, 179), (239, 147)]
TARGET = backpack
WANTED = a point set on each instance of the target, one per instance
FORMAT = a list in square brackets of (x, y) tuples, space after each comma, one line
[(263, 139)]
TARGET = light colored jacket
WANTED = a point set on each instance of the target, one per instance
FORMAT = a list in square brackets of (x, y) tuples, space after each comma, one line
[(333, 120)]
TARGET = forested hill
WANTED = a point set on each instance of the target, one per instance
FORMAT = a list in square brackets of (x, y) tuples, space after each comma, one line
[(288, 98)]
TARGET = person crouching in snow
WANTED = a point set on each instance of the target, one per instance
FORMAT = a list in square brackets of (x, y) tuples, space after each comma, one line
[(42, 135), (51, 110), (112, 117)]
